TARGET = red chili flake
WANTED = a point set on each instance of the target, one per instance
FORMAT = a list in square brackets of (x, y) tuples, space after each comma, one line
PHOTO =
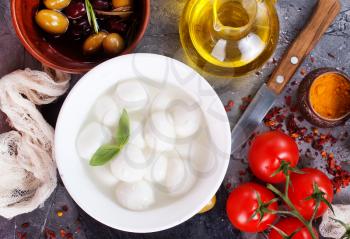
[(69, 236), (341, 177), (288, 100), (303, 72), (245, 102), (257, 73), (242, 173), (312, 59), (21, 235), (230, 104), (63, 233), (65, 208), (49, 234), (300, 118), (25, 225), (228, 186)]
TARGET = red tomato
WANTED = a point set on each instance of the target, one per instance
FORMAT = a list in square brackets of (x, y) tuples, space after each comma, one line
[(290, 225), (267, 152), (302, 187), (242, 204)]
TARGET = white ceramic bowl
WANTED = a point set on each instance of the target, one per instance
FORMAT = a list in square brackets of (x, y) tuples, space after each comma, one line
[(157, 71)]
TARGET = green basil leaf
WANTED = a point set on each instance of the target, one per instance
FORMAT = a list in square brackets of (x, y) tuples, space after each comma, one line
[(104, 154), (123, 130)]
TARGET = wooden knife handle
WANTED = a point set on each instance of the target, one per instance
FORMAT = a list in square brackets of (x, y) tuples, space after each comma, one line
[(323, 16)]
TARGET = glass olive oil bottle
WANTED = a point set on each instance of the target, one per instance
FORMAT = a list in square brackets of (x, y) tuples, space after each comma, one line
[(229, 38)]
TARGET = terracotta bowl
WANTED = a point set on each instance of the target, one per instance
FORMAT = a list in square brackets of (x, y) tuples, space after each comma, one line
[(60, 57), (305, 105)]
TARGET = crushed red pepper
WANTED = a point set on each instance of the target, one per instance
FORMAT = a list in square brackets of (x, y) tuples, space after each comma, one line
[(230, 104), (25, 225), (21, 235), (245, 102), (285, 120), (49, 234)]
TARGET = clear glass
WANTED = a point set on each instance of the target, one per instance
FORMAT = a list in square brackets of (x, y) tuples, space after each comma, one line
[(229, 38)]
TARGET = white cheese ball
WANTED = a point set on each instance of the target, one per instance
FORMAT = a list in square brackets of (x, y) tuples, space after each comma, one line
[(131, 95), (136, 134), (187, 184), (179, 178), (176, 173), (91, 137), (157, 171), (202, 159), (161, 102), (136, 196), (106, 111), (187, 119), (130, 165), (160, 131), (103, 175)]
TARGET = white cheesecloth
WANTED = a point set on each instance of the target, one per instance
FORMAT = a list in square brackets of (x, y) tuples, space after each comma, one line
[(329, 228), (27, 166)]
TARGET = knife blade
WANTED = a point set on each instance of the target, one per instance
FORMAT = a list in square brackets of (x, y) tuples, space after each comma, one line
[(324, 15), (252, 116)]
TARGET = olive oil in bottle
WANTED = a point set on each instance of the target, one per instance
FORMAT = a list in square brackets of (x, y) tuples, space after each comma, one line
[(229, 38)]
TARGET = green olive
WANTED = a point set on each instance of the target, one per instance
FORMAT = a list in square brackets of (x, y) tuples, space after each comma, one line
[(94, 43), (113, 44), (52, 21), (121, 3), (56, 4)]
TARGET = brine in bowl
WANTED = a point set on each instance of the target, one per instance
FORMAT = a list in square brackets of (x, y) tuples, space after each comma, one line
[(173, 159)]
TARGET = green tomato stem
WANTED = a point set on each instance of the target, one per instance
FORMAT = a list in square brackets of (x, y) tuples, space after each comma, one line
[(293, 211)]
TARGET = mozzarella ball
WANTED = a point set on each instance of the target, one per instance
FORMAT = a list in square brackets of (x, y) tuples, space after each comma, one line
[(202, 159), (104, 106), (136, 196), (161, 102), (130, 165), (187, 183), (104, 175), (175, 175), (157, 171), (111, 118), (136, 134), (187, 119), (160, 132), (131, 95), (91, 138)]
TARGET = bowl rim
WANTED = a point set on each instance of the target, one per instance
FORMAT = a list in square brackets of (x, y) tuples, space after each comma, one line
[(209, 192), (41, 58)]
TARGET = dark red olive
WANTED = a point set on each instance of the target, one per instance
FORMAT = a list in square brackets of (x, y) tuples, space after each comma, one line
[(117, 26), (101, 4), (79, 29), (75, 10)]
